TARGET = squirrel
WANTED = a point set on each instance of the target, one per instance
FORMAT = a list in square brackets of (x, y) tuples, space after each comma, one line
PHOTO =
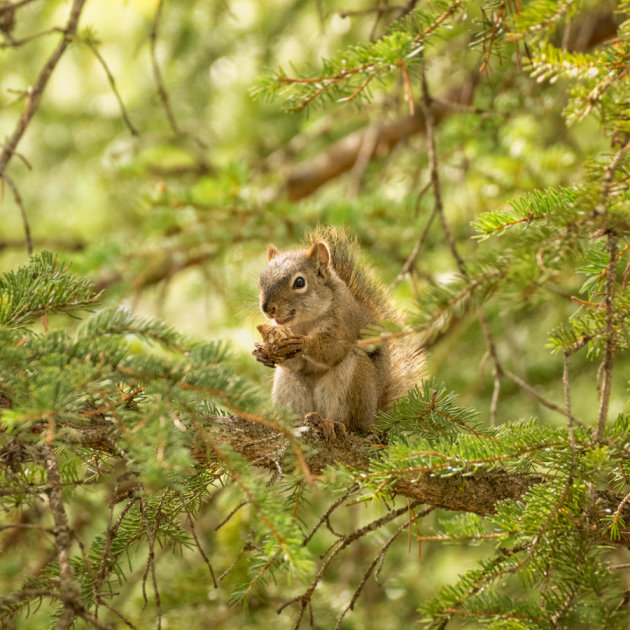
[(320, 298)]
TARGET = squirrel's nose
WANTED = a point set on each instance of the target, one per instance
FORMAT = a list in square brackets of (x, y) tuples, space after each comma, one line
[(268, 308)]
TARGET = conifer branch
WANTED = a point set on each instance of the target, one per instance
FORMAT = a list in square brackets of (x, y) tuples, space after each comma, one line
[(305, 178), (476, 492), (69, 588), (607, 364)]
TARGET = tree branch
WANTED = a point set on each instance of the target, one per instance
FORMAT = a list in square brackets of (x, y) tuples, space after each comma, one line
[(304, 179), (477, 493), (36, 91), (69, 589)]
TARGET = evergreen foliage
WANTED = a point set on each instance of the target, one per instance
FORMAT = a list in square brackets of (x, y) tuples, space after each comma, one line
[(144, 476)]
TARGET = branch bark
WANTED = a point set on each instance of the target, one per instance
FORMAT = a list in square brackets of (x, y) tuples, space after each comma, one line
[(477, 493), (304, 179)]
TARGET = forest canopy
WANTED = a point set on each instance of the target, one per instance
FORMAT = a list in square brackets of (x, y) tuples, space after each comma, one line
[(152, 150)]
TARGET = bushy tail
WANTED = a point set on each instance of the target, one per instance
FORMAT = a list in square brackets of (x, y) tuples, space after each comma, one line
[(407, 366), (406, 363)]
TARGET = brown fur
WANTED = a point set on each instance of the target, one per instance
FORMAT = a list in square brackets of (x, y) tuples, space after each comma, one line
[(319, 367)]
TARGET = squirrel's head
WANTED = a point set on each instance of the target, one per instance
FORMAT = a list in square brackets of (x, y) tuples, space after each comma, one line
[(295, 287)]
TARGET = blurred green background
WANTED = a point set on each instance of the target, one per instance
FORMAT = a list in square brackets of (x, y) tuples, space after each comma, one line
[(175, 222)]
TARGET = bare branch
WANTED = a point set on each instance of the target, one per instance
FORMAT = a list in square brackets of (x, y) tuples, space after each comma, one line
[(377, 560), (429, 122), (413, 256), (112, 83), (607, 364), (159, 80), (20, 205), (157, 73), (305, 598), (36, 91), (191, 523)]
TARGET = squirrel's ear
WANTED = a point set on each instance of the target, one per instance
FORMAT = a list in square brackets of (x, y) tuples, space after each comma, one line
[(320, 254), (272, 252)]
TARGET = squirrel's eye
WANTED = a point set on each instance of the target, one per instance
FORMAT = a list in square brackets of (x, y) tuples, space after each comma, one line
[(299, 283)]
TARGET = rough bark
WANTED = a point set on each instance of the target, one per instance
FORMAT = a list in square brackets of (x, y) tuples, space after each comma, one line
[(477, 493)]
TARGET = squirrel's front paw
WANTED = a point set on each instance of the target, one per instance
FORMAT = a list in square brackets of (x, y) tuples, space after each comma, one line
[(262, 356), (286, 348), (279, 344)]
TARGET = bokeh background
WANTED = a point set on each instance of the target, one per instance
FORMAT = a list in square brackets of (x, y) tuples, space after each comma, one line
[(172, 216)]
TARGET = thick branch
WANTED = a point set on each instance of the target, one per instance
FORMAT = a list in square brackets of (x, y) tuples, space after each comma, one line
[(265, 447), (477, 493), (341, 157), (305, 178)]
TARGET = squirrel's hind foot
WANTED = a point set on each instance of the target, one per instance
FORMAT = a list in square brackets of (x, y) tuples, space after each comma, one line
[(330, 429)]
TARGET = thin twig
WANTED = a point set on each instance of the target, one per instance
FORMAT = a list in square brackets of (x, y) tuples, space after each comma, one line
[(151, 556), (197, 543), (429, 122), (248, 546), (36, 91), (20, 205), (435, 24), (230, 515), (112, 83), (16, 43), (413, 256), (497, 368), (106, 563), (567, 400), (305, 598), (370, 570), (157, 73), (531, 390), (159, 80), (353, 488)]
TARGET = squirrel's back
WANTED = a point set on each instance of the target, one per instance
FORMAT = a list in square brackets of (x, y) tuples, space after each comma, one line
[(405, 363), (366, 288)]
